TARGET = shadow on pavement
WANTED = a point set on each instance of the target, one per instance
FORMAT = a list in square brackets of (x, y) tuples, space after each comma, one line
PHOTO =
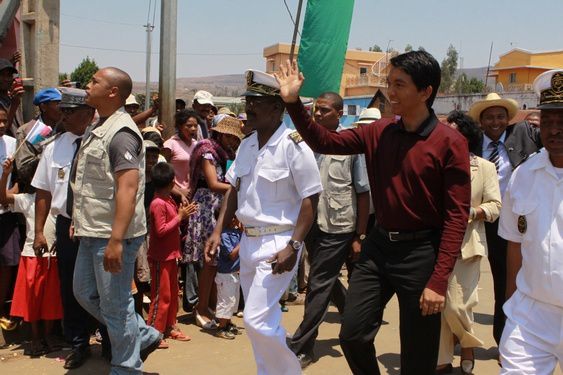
[(392, 362), (484, 319), (327, 348)]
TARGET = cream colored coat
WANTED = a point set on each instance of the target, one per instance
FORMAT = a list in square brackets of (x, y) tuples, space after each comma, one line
[(485, 193)]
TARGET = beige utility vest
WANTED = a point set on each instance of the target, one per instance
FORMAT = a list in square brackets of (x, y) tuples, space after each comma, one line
[(336, 211), (94, 185)]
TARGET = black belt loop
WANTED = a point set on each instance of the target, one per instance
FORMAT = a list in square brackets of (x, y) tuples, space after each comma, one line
[(406, 236)]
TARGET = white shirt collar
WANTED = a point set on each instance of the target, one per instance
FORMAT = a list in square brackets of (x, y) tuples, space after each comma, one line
[(487, 140)]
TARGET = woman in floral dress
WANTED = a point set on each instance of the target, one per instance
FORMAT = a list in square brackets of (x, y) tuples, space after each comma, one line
[(208, 168)]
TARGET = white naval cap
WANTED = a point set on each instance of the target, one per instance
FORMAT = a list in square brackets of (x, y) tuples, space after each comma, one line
[(549, 87)]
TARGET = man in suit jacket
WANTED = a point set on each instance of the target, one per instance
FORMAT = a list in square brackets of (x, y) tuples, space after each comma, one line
[(507, 147)]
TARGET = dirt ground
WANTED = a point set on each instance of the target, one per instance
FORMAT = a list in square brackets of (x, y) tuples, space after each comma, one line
[(206, 354)]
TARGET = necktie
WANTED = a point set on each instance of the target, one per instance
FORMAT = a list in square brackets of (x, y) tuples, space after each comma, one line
[(70, 194), (494, 157)]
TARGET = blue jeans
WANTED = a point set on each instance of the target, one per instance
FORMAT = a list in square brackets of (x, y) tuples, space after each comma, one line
[(108, 298)]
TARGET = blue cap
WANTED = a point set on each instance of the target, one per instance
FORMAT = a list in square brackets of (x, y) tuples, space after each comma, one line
[(47, 95)]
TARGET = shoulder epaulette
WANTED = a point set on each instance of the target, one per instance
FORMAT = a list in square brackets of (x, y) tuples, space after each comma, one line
[(295, 137)]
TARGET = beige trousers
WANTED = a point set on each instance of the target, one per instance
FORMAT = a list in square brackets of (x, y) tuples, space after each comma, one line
[(457, 318)]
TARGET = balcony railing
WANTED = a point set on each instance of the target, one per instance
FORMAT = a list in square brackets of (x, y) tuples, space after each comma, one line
[(363, 80)]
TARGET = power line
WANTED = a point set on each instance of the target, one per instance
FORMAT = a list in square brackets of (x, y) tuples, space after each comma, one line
[(102, 21), (155, 53)]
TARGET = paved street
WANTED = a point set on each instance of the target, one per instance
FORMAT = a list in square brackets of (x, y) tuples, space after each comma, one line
[(206, 354)]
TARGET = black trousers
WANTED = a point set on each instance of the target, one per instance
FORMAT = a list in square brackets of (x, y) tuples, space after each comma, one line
[(76, 321), (386, 268), (497, 260), (327, 254)]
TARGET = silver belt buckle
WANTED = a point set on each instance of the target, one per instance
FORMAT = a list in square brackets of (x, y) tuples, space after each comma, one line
[(391, 236)]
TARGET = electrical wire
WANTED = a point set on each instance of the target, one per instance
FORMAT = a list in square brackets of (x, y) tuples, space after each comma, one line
[(102, 21), (156, 53), (290, 16)]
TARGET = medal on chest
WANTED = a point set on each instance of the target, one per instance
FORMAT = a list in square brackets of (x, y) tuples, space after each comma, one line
[(522, 224), (61, 174)]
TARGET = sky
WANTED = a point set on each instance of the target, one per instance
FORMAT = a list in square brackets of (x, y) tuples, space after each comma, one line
[(218, 37)]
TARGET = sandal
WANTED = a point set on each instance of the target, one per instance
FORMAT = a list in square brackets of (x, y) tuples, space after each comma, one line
[(163, 344), (176, 334)]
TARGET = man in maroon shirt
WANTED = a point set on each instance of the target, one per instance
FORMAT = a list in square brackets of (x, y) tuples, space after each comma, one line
[(419, 174)]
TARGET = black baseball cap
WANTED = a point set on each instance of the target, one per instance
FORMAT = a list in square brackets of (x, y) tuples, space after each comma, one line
[(6, 64)]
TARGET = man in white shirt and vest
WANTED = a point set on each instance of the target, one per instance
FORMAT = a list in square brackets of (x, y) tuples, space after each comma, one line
[(51, 182), (107, 180), (275, 186), (531, 220)]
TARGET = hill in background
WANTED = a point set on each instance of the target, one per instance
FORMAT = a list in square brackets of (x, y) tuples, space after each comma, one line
[(223, 85)]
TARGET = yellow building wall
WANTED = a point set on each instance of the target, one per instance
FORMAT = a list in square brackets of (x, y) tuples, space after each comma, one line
[(279, 53), (523, 76), (552, 60), (515, 58)]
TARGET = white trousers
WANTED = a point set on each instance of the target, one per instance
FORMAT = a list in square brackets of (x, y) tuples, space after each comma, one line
[(227, 294), (262, 312), (532, 340)]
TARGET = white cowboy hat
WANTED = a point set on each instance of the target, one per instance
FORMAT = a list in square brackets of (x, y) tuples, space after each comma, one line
[(493, 100), (368, 116)]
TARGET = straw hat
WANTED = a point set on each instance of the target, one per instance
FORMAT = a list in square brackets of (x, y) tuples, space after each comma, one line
[(493, 100), (229, 125), (368, 116)]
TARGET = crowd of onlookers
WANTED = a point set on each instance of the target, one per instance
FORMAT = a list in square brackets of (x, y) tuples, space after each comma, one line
[(473, 163)]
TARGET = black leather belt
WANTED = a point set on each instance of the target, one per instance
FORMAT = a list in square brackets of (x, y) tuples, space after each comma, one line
[(406, 236)]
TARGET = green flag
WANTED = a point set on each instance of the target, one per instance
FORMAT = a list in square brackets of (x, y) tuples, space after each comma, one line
[(323, 45)]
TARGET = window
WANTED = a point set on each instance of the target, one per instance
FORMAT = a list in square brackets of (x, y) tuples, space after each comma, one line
[(512, 78), (363, 71), (352, 110)]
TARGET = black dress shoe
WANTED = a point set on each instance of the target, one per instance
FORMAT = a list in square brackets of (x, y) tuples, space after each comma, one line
[(304, 359), (76, 358), (445, 370), (151, 348)]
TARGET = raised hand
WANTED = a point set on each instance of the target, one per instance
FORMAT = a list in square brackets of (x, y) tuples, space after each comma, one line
[(290, 80)]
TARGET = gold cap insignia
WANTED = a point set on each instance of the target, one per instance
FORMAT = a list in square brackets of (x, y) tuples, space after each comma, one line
[(554, 94)]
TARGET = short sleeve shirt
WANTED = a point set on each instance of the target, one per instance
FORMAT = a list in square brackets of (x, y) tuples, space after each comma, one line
[(25, 204), (53, 171), (7, 148), (180, 159), (532, 215), (272, 181)]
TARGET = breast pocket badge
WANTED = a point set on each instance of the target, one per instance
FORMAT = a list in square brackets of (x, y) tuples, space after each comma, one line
[(522, 224)]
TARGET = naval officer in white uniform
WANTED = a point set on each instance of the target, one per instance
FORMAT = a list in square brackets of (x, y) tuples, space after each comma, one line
[(275, 186), (531, 220)]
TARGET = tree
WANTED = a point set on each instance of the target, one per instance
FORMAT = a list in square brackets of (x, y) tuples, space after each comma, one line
[(84, 72), (375, 48), (449, 67), (421, 48), (408, 48), (463, 85)]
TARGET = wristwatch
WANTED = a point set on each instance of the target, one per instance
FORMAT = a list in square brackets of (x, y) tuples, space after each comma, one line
[(362, 236), (295, 245)]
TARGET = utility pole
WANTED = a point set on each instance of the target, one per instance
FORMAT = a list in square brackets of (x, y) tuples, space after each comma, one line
[(149, 28), (295, 31), (167, 76)]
